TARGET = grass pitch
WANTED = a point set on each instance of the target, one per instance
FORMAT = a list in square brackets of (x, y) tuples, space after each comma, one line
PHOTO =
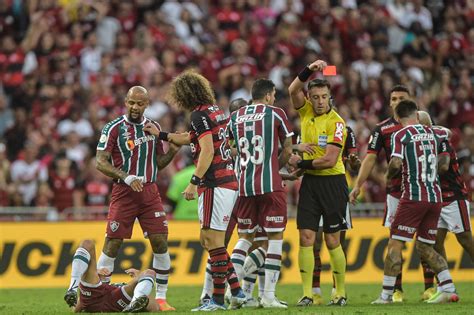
[(50, 301)]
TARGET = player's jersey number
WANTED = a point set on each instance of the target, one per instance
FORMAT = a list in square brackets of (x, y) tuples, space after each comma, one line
[(246, 156), (225, 152), (428, 168)]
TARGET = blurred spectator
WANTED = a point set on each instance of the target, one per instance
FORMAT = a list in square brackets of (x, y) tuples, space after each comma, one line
[(6, 115), (75, 123), (63, 182), (183, 209), (27, 173)]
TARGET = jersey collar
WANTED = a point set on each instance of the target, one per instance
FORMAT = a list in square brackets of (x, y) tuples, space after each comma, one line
[(131, 122)]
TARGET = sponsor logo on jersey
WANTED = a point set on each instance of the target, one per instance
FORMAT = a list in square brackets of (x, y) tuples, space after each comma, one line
[(339, 134), (244, 221), (159, 214), (226, 218), (249, 117), (408, 229), (131, 144), (422, 137), (373, 139), (114, 225), (277, 219), (387, 126), (432, 232)]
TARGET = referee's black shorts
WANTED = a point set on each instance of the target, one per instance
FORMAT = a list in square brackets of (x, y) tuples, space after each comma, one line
[(325, 196)]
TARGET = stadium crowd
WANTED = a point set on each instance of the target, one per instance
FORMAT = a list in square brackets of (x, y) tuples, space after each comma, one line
[(66, 65)]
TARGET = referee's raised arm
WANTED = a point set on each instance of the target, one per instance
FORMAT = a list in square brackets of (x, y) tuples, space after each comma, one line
[(296, 87)]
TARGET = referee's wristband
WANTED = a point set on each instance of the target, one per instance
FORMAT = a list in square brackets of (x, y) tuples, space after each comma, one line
[(305, 164), (195, 180), (305, 74), (163, 136)]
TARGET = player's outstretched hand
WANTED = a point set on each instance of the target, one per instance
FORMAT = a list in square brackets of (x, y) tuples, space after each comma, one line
[(354, 194), (309, 148), (318, 65), (190, 192), (151, 129), (293, 175), (294, 159)]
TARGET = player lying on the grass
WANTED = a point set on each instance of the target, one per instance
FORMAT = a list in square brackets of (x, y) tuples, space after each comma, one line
[(416, 152), (96, 296)]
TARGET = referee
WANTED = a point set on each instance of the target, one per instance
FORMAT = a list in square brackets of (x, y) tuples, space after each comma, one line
[(323, 189)]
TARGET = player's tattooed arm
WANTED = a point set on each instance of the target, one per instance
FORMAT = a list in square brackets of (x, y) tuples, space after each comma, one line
[(286, 152), (105, 167), (394, 167), (163, 160)]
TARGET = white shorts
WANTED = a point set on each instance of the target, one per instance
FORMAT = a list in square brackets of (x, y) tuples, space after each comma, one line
[(455, 217), (348, 219), (215, 208), (390, 209)]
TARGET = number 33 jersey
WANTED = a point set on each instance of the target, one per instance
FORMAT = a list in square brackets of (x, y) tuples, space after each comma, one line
[(258, 131), (419, 147), (210, 119)]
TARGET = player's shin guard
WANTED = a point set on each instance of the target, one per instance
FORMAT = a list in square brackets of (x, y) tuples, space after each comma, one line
[(254, 261), (144, 286), (388, 286), (249, 284), (428, 274), (272, 267), (306, 264), (208, 286), (108, 263), (80, 262), (337, 260), (446, 282), (219, 269), (161, 265), (238, 256), (317, 272)]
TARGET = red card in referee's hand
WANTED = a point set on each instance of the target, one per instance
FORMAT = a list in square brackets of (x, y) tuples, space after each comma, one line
[(329, 70)]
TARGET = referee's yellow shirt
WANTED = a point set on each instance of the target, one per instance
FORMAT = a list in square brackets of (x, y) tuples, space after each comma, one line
[(322, 130)]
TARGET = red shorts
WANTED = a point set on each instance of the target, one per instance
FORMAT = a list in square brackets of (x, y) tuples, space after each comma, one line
[(420, 217), (126, 205), (103, 298), (267, 211)]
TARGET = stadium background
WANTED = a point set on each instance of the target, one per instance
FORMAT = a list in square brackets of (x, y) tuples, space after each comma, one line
[(65, 67)]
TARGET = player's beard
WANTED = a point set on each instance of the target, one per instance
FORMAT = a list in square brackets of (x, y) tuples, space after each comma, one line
[(135, 117)]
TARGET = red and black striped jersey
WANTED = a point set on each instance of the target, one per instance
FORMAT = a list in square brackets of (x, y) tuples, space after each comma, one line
[(381, 139), (350, 145), (210, 119), (452, 185)]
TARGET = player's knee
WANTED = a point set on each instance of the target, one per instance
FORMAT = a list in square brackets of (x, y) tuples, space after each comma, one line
[(465, 239), (422, 248), (88, 245), (112, 246)]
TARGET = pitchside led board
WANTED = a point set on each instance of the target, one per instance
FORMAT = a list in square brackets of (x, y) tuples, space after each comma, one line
[(34, 255)]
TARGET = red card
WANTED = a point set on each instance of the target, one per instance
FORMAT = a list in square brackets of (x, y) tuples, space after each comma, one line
[(330, 70)]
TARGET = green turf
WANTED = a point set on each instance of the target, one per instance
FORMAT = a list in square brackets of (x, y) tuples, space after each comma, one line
[(49, 301)]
